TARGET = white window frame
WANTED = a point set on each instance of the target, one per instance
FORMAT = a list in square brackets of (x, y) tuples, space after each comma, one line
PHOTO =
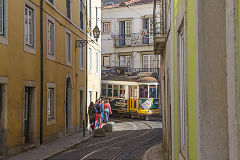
[(108, 61), (82, 10), (4, 36), (51, 55), (81, 58), (27, 47), (124, 63), (67, 50), (128, 27), (97, 63), (51, 86), (148, 62), (69, 8), (90, 59), (182, 90), (108, 26)]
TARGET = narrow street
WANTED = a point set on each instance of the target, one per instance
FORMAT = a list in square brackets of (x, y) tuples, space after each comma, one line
[(130, 139)]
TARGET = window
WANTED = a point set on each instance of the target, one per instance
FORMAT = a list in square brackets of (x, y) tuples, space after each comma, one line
[(104, 90), (153, 91), (29, 26), (106, 61), (68, 48), (148, 63), (182, 88), (81, 58), (51, 103), (125, 61), (125, 30), (143, 91), (122, 91), (51, 1), (115, 91), (90, 59), (68, 8), (90, 17), (2, 19), (148, 26), (82, 10), (109, 93), (51, 37), (106, 27), (96, 63)]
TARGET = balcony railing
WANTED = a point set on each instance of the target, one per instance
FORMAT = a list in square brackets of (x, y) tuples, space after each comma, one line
[(160, 20), (130, 40), (131, 71)]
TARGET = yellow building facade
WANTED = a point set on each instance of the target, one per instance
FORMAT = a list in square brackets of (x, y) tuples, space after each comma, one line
[(63, 71)]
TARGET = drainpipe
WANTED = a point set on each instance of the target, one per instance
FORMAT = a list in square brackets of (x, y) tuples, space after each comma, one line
[(41, 70), (86, 119)]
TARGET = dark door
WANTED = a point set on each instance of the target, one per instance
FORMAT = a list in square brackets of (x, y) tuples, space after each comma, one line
[(27, 113), (81, 109), (68, 104), (121, 33)]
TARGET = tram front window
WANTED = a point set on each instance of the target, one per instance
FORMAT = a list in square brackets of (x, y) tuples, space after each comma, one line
[(109, 94), (115, 92), (143, 91), (153, 93), (104, 90), (122, 91)]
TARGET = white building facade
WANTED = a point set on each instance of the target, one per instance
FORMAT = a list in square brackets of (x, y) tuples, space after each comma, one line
[(94, 51), (127, 36)]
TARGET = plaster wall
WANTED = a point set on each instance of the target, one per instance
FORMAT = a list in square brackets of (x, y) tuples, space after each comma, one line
[(212, 80), (20, 65), (94, 76)]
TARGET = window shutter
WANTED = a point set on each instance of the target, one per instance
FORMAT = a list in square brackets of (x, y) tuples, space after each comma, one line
[(48, 104), (52, 37), (26, 25), (1, 17)]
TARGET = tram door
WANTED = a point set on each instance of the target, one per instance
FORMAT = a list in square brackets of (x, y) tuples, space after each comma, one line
[(133, 99)]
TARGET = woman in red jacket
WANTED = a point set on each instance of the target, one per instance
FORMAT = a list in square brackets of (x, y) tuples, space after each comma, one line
[(107, 110)]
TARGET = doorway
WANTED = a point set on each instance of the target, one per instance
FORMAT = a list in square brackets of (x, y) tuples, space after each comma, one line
[(81, 105), (68, 105), (29, 115), (3, 119)]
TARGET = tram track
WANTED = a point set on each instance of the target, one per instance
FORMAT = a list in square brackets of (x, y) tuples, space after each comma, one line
[(123, 141)]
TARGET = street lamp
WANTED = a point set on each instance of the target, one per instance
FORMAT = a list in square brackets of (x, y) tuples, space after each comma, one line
[(81, 42)]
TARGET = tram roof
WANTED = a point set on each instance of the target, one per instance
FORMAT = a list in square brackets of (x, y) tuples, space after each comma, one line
[(129, 78)]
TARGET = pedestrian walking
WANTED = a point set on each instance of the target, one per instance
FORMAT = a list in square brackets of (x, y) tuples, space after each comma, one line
[(107, 110), (98, 115), (92, 115), (102, 110)]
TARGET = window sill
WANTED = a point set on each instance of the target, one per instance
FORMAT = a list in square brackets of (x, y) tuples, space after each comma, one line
[(69, 64), (81, 69), (51, 57), (4, 39), (29, 49), (51, 122)]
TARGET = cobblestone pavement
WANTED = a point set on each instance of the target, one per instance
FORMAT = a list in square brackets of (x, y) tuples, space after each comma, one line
[(130, 139)]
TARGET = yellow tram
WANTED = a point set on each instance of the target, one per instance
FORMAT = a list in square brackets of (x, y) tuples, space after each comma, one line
[(136, 96)]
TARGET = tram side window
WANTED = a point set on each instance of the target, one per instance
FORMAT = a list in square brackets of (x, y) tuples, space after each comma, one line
[(104, 90), (143, 91), (153, 91), (115, 91), (109, 94), (122, 91)]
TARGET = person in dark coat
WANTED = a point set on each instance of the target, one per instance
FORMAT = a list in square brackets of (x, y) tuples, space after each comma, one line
[(92, 115)]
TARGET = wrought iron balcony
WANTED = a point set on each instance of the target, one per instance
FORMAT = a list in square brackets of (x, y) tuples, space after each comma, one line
[(155, 72), (134, 39), (160, 25)]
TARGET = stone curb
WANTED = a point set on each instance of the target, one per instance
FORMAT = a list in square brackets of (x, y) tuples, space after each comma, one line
[(145, 156), (67, 148)]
